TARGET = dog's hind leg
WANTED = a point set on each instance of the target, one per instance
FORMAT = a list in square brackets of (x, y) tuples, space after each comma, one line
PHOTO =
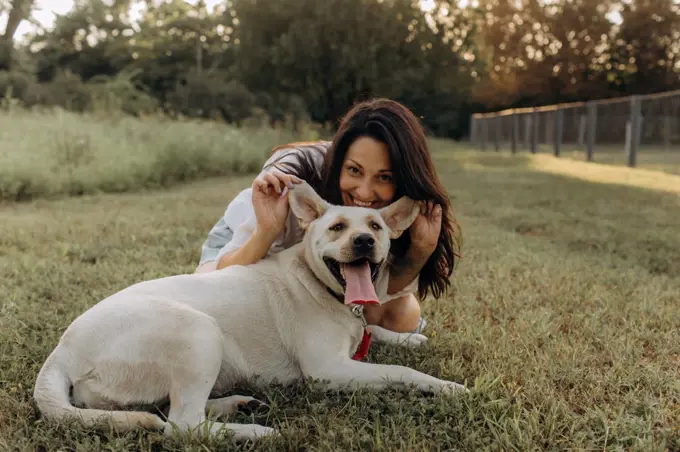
[(194, 374)]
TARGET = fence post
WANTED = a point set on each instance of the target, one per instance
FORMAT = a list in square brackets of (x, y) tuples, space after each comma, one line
[(497, 132), (473, 130), (667, 131), (559, 127), (592, 128), (534, 131), (485, 131), (635, 129), (527, 132), (515, 132)]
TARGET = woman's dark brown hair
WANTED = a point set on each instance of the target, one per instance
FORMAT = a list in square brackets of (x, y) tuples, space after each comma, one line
[(393, 124)]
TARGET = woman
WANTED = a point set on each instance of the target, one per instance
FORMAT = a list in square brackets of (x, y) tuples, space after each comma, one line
[(378, 154)]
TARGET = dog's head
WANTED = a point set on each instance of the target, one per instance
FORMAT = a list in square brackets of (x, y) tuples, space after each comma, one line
[(346, 247)]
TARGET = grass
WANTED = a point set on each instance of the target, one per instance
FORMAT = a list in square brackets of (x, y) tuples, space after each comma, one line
[(57, 153), (651, 157), (563, 315), (657, 158)]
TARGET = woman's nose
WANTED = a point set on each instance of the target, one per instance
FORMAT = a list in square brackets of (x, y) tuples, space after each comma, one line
[(365, 191)]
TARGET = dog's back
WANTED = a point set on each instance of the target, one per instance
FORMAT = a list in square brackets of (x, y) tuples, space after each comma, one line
[(257, 307)]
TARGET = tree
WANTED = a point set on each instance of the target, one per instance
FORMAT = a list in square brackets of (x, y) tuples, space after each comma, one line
[(17, 12), (646, 54), (544, 52), (335, 52)]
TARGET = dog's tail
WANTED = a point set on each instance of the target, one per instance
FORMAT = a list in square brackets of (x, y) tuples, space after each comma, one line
[(51, 394)]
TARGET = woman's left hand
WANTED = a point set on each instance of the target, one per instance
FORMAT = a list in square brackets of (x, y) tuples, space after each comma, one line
[(425, 230)]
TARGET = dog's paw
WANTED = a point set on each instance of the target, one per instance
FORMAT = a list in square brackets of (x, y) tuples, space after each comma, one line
[(385, 336), (411, 339), (255, 432), (451, 388)]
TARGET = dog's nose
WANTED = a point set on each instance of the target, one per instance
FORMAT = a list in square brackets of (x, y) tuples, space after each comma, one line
[(364, 242)]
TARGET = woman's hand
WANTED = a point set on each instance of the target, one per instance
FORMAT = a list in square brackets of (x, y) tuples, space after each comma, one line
[(270, 201), (425, 231)]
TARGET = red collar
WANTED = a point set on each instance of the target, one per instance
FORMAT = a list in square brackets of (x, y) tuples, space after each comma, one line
[(365, 344)]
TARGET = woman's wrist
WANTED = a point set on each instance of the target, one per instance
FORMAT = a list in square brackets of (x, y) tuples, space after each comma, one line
[(264, 237), (417, 256)]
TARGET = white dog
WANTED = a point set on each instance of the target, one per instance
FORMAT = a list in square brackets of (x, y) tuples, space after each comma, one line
[(185, 338)]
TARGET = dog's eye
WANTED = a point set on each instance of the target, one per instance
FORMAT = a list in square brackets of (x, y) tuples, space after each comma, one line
[(337, 227), (375, 226)]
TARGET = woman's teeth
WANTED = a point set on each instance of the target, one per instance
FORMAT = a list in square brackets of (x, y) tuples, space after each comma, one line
[(361, 203)]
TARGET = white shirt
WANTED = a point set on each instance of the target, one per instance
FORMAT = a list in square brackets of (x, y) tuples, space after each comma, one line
[(238, 224)]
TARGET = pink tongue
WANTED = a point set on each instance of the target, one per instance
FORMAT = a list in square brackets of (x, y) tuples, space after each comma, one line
[(359, 288)]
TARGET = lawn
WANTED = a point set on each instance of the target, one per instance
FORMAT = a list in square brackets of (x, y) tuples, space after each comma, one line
[(658, 158), (563, 316)]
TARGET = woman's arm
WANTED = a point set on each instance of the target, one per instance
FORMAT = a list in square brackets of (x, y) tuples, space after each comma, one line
[(405, 270), (424, 240), (254, 249), (256, 216), (261, 219)]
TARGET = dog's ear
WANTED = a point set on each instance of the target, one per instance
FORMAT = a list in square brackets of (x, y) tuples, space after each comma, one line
[(400, 215), (306, 204)]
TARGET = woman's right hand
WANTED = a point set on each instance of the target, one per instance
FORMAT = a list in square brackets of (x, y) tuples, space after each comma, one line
[(270, 200)]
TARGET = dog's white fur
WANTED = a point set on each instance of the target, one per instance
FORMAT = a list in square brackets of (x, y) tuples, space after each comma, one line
[(188, 337)]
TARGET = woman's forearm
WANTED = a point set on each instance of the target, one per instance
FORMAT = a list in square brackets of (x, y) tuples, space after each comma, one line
[(405, 270), (253, 250)]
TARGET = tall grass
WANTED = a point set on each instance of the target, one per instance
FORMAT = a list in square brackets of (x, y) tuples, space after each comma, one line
[(43, 154)]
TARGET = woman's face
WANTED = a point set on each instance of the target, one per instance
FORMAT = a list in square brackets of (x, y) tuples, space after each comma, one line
[(366, 178)]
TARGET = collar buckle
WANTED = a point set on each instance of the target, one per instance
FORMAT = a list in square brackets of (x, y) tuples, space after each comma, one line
[(358, 312)]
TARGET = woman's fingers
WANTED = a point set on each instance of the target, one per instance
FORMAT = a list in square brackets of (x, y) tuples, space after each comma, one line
[(278, 180), (275, 179), (274, 182), (262, 186), (286, 179)]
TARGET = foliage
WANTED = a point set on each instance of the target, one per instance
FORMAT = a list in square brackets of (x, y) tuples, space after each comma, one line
[(301, 59), (540, 52)]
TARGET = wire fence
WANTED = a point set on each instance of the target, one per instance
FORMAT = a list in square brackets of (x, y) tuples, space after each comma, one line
[(637, 131)]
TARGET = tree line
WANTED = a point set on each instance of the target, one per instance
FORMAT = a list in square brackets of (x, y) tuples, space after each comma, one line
[(310, 60)]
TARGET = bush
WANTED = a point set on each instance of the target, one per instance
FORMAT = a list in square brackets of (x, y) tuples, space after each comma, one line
[(211, 96)]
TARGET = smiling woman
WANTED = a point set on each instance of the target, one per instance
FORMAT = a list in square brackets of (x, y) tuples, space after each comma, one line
[(378, 155), (366, 179)]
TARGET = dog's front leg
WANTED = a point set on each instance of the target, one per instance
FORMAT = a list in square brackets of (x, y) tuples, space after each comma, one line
[(384, 336), (349, 374)]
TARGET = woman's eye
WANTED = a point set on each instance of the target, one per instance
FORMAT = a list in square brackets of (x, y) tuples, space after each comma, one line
[(386, 178), (352, 170)]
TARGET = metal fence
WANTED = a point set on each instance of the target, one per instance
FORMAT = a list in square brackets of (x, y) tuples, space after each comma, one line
[(638, 131)]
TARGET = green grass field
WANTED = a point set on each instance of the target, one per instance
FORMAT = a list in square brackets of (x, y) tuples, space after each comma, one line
[(658, 158), (563, 317)]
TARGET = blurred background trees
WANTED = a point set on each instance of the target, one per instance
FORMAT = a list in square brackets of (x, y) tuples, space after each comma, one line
[(309, 60)]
